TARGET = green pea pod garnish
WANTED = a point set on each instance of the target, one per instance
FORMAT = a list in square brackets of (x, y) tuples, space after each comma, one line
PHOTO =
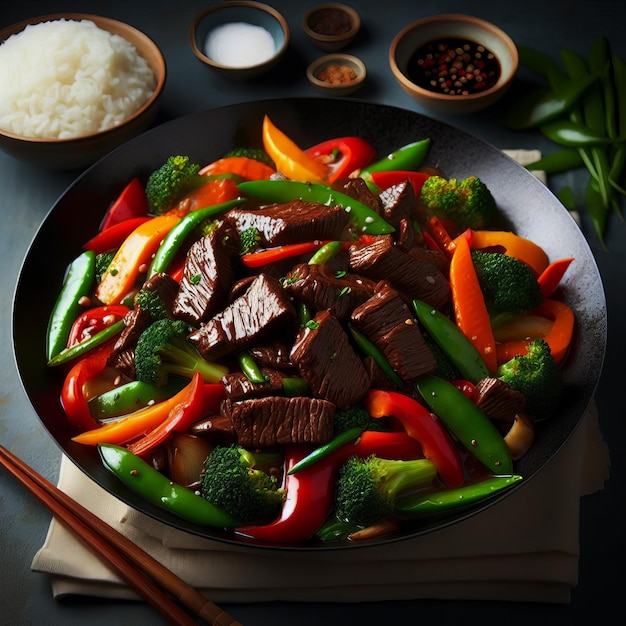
[(323, 451), (69, 354), (78, 283), (409, 157), (556, 162), (441, 501), (537, 61), (467, 422), (597, 209), (174, 239), (545, 104), (568, 133), (157, 488), (363, 218), (456, 346)]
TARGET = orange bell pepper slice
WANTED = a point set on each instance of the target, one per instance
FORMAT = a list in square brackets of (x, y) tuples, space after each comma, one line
[(214, 191), (132, 258), (468, 301), (188, 401), (248, 168), (513, 245), (553, 321), (289, 158)]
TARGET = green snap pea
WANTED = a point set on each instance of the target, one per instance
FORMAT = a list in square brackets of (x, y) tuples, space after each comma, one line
[(132, 397), (369, 349), (323, 451), (559, 161), (456, 346), (69, 354), (537, 61), (569, 133), (251, 368), (175, 238), (409, 157), (467, 422), (362, 218), (454, 498), (77, 284), (326, 253), (157, 488), (295, 386)]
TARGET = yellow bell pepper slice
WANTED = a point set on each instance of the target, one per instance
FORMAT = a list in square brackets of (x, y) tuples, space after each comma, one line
[(289, 158)]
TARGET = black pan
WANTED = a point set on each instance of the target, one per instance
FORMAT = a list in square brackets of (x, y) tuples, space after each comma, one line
[(533, 211)]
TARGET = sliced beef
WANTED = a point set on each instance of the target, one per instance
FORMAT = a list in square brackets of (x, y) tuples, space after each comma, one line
[(499, 402), (275, 355), (263, 310), (381, 259), (386, 321), (239, 387), (318, 287), (137, 320), (207, 275), (276, 420), (438, 259), (400, 210), (291, 222), (326, 360), (357, 188)]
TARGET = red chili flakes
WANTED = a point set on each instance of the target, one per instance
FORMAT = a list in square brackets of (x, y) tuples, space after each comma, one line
[(456, 67), (337, 74)]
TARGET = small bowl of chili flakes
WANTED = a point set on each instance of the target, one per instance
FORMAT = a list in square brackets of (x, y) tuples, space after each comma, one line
[(331, 26), (337, 74), (453, 64)]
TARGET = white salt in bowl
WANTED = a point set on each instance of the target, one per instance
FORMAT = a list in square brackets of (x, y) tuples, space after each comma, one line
[(240, 39)]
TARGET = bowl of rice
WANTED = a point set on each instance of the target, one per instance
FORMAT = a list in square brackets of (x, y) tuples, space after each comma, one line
[(74, 86)]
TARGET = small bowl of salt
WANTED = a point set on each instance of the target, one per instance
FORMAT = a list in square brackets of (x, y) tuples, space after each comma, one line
[(240, 39)]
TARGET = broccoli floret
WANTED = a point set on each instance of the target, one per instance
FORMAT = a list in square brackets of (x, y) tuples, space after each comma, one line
[(150, 300), (162, 349), (468, 202), (234, 481), (249, 240), (252, 153), (167, 185), (367, 489), (537, 376), (358, 416), (509, 286), (103, 260)]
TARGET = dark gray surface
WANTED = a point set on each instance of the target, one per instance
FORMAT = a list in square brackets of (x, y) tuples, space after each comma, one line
[(26, 195)]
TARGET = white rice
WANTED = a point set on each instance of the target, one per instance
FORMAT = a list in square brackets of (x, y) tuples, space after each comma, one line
[(68, 78)]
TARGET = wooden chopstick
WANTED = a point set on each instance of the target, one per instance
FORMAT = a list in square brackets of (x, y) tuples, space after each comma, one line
[(135, 566)]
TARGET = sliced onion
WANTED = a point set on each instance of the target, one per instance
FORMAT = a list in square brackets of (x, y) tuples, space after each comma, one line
[(187, 454)]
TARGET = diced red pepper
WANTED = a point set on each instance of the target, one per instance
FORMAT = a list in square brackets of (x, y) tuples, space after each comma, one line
[(112, 237), (384, 180), (271, 255), (343, 155), (421, 424), (132, 202)]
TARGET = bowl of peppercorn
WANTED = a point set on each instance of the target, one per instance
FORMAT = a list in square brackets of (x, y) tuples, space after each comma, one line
[(331, 26), (337, 74), (453, 64)]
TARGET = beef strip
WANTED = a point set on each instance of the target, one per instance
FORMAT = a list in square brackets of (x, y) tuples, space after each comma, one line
[(239, 387), (357, 188), (207, 275), (499, 402), (291, 222), (319, 288), (381, 259), (399, 209), (275, 355), (276, 420), (263, 310), (386, 321), (326, 360), (137, 320)]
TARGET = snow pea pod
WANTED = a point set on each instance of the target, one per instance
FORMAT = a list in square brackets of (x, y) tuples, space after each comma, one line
[(468, 423), (369, 349), (454, 498), (149, 483), (569, 133), (326, 253), (174, 239), (77, 284), (408, 157), (538, 61), (556, 162), (363, 218)]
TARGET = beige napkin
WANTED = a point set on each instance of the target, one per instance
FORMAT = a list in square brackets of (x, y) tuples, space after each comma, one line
[(525, 548)]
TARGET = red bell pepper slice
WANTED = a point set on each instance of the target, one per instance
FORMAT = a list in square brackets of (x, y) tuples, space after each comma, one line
[(95, 320), (199, 399), (550, 278), (112, 237), (272, 255), (132, 202), (421, 424), (73, 397), (384, 180), (343, 155), (310, 491)]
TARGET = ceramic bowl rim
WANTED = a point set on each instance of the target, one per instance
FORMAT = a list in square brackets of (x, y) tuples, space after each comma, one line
[(355, 22), (358, 64)]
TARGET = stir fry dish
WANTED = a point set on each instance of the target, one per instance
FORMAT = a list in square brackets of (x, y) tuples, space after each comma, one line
[(309, 344)]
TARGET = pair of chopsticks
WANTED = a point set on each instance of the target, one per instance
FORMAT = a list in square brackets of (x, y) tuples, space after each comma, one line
[(150, 580)]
